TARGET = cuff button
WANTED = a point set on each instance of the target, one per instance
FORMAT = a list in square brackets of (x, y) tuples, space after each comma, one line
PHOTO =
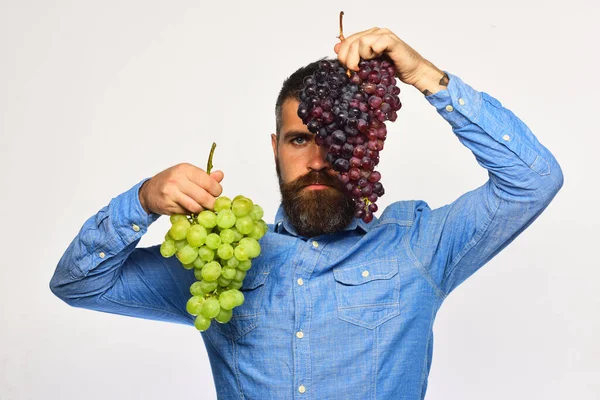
[(449, 108)]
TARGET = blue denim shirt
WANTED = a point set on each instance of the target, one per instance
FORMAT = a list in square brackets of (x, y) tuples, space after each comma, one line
[(341, 316)]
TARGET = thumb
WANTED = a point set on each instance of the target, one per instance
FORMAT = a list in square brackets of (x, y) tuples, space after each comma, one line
[(217, 175)]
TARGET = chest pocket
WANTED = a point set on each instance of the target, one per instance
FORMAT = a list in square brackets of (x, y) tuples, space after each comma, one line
[(247, 316), (368, 294)]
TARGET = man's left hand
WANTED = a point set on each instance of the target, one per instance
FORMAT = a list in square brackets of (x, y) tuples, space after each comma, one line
[(411, 67)]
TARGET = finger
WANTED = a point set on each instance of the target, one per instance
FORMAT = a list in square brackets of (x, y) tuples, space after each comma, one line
[(198, 194), (217, 175), (205, 181), (345, 45), (337, 46), (353, 58), (187, 203), (381, 44)]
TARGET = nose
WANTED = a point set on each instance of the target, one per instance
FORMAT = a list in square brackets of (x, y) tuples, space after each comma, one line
[(317, 159)]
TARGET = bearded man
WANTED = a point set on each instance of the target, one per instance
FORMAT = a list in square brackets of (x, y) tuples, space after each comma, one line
[(335, 308)]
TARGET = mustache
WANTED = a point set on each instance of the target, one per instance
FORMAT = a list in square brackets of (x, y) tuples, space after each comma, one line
[(316, 178)]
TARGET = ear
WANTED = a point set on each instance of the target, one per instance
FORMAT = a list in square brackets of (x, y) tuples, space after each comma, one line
[(274, 144)]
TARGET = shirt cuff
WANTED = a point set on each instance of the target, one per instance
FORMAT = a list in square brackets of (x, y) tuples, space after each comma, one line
[(459, 104), (129, 218)]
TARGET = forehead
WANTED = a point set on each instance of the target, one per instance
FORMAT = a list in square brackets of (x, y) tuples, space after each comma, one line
[(290, 121)]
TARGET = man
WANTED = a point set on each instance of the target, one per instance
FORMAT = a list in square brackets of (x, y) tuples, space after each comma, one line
[(335, 308)]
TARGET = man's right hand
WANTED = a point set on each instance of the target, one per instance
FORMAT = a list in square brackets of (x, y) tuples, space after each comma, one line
[(181, 189)]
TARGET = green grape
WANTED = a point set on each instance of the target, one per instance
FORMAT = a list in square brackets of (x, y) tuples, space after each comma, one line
[(179, 229), (207, 219), (225, 219), (238, 236), (222, 203), (202, 323), (194, 305), (208, 287), (167, 248), (265, 226), (187, 254), (180, 244), (176, 217), (233, 262), (211, 271), (227, 300), (227, 236), (241, 206), (239, 196), (198, 273), (196, 289), (213, 241), (206, 254), (257, 231), (244, 265), (244, 225), (225, 251), (196, 235), (251, 245), (239, 275), (168, 237), (223, 282), (241, 253), (228, 273), (188, 266), (199, 262), (239, 296), (256, 213), (235, 285), (224, 316), (210, 308)]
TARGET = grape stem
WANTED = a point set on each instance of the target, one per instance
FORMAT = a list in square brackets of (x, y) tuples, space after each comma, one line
[(342, 38), (209, 165)]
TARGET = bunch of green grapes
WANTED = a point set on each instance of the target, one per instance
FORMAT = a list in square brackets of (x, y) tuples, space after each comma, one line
[(219, 246)]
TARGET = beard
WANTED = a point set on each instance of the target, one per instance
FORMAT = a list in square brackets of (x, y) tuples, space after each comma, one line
[(314, 212)]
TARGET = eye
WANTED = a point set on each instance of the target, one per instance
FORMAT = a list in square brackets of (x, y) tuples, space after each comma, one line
[(299, 140)]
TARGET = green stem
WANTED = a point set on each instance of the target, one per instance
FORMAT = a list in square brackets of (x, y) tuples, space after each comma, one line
[(209, 165)]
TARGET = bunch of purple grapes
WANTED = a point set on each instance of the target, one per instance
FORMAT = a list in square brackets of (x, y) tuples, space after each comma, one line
[(347, 115)]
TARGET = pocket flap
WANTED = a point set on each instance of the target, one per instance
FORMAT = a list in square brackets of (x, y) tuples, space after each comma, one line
[(255, 277), (366, 272)]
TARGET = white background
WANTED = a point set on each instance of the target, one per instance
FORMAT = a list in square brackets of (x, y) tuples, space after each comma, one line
[(96, 95)]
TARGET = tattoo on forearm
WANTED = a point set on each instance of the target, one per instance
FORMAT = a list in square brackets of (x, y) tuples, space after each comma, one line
[(443, 82)]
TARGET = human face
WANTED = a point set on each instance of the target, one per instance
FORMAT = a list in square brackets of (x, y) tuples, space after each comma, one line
[(312, 196), (295, 150)]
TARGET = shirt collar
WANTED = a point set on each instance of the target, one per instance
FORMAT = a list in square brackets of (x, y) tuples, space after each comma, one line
[(282, 223)]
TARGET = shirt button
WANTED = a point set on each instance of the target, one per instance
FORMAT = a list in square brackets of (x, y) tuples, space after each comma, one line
[(299, 335), (461, 102), (301, 389), (101, 254), (449, 108), (300, 281), (135, 227), (506, 137), (365, 274), (315, 244)]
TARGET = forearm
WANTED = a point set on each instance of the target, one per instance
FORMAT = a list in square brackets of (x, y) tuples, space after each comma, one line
[(433, 79), (103, 270), (501, 142)]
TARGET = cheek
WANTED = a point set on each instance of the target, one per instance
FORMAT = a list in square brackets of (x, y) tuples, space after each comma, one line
[(291, 166)]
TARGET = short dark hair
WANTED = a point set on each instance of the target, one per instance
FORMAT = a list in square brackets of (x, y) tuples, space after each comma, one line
[(291, 89)]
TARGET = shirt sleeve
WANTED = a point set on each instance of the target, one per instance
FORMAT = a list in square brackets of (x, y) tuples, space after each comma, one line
[(454, 241), (103, 270)]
